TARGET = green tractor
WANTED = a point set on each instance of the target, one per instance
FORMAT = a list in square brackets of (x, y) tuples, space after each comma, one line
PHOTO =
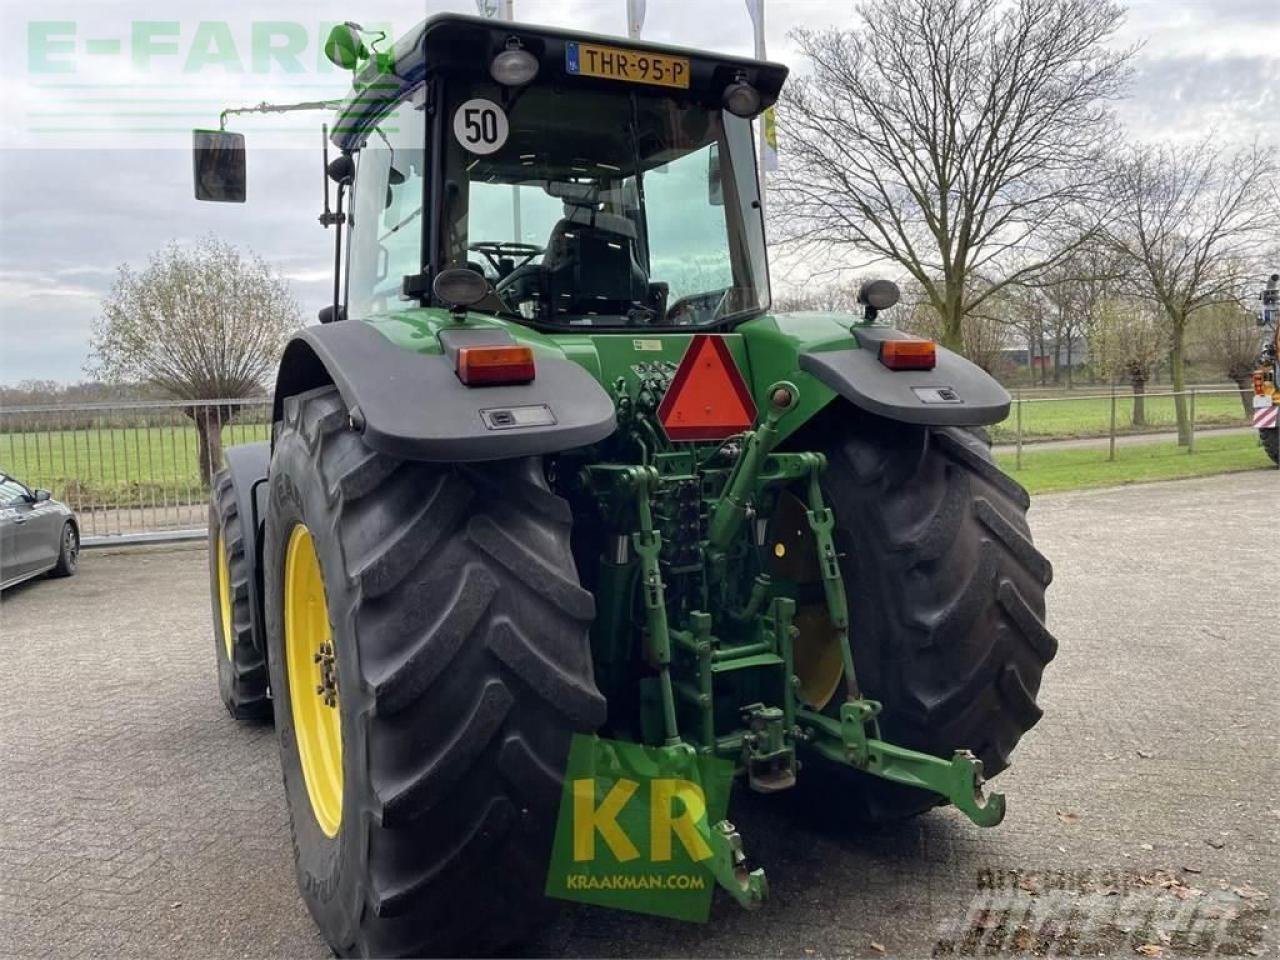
[(549, 466)]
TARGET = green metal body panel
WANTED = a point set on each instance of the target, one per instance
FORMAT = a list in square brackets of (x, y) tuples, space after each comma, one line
[(765, 349)]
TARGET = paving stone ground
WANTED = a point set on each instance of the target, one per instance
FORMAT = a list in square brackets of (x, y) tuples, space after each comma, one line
[(136, 819)]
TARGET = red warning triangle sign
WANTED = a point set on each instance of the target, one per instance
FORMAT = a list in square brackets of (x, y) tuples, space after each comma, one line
[(707, 399)]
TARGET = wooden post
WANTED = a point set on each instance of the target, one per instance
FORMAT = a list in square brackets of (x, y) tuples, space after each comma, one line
[(1111, 456), (1017, 458), (1191, 417)]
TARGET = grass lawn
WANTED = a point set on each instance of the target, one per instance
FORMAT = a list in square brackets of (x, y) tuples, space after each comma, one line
[(1091, 416), (1048, 470), (116, 466)]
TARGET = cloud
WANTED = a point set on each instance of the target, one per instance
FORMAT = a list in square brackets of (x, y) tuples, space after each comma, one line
[(1188, 95), (71, 210)]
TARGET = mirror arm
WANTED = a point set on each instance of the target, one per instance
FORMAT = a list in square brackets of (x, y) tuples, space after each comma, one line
[(265, 107)]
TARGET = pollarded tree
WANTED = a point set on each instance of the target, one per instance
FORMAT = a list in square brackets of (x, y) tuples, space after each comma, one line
[(955, 138), (1194, 222), (1126, 341), (200, 323), (1228, 339)]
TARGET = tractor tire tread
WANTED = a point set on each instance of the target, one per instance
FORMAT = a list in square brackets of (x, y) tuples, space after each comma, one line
[(946, 592), (243, 681), (474, 670)]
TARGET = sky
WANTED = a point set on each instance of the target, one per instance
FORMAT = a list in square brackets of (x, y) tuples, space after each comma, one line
[(97, 100)]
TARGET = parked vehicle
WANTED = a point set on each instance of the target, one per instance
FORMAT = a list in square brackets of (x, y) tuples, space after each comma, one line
[(561, 472), (38, 534), (1266, 392)]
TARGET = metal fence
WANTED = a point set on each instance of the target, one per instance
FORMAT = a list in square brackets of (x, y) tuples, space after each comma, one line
[(1103, 420), (129, 469), (139, 470)]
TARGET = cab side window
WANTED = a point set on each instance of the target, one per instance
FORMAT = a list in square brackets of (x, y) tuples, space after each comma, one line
[(386, 215)]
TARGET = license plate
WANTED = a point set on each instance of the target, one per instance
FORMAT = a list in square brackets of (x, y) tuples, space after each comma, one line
[(629, 66)]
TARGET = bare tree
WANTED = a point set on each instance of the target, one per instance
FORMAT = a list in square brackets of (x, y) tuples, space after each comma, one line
[(1193, 221), (1075, 288), (199, 323), (1126, 341), (949, 136), (1227, 338), (1026, 314), (833, 298)]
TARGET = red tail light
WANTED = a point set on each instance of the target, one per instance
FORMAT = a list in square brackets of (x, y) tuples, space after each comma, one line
[(1258, 388), (481, 366), (909, 354)]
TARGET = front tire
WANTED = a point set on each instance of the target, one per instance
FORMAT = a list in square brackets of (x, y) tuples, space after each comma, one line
[(946, 594), (461, 670)]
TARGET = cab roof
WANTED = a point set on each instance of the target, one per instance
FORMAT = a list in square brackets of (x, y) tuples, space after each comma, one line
[(463, 46)]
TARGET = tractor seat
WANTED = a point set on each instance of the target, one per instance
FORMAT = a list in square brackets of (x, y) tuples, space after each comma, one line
[(590, 264)]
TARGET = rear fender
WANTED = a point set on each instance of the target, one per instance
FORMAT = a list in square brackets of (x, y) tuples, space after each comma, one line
[(412, 405), (955, 393)]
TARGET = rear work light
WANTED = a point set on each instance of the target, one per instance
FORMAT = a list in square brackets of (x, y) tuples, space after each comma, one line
[(908, 354), (484, 366)]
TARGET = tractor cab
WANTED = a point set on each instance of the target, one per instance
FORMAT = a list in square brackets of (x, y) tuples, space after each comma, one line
[(591, 184)]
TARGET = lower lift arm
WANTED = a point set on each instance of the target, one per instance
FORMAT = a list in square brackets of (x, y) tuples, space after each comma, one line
[(846, 740)]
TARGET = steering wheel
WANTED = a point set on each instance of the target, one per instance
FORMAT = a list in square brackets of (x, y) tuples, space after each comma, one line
[(491, 250), (684, 310)]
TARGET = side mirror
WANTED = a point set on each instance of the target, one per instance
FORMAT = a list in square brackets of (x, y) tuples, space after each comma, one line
[(40, 496), (329, 315), (218, 165), (460, 287), (877, 295), (715, 186), (341, 169)]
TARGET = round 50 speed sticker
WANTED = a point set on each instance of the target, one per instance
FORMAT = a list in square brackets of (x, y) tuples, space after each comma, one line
[(480, 126)]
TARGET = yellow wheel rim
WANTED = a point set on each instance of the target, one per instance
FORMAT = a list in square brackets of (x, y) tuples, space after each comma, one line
[(819, 661), (313, 680), (224, 594)]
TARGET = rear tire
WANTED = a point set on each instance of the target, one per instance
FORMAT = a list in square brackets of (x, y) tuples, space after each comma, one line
[(1271, 443), (242, 666), (946, 594), (463, 669)]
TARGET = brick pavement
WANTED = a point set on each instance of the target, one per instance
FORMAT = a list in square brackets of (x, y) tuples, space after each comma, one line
[(137, 820)]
